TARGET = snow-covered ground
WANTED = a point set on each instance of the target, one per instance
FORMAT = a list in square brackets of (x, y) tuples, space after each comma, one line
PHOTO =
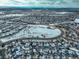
[(34, 31)]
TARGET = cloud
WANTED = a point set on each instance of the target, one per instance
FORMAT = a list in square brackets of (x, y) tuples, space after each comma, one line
[(38, 3)]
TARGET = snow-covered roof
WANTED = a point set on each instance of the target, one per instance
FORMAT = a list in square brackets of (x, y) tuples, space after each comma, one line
[(76, 20)]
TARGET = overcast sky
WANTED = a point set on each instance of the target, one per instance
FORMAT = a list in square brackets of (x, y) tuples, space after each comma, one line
[(41, 3)]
